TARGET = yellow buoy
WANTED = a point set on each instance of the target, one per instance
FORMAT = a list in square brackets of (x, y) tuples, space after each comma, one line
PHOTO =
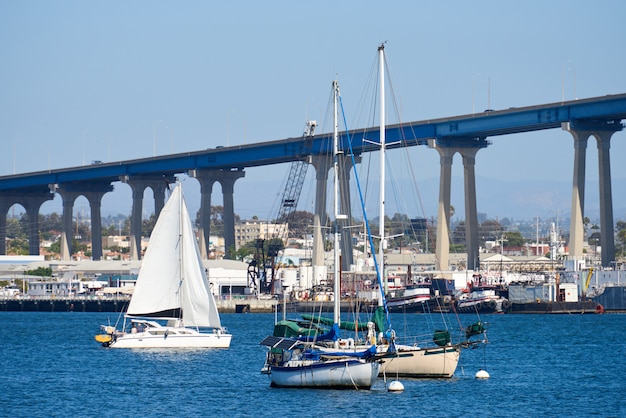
[(103, 338)]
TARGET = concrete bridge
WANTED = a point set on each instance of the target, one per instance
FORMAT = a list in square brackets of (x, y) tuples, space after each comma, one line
[(598, 117)]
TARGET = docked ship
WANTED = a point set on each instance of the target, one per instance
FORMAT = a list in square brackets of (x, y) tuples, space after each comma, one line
[(558, 294), (607, 287)]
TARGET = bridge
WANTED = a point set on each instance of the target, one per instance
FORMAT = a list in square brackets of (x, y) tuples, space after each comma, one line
[(598, 117)]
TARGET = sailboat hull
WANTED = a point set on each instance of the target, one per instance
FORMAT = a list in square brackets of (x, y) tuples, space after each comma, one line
[(343, 373), (435, 362), (170, 337)]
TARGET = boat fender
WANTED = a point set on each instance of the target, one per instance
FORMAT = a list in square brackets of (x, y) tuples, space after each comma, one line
[(479, 305), (350, 342), (506, 304), (599, 309), (492, 304)]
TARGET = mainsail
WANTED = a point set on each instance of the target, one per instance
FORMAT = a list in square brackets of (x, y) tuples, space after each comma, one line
[(172, 282)]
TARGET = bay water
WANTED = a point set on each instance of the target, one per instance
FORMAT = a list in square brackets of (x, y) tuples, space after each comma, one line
[(539, 365)]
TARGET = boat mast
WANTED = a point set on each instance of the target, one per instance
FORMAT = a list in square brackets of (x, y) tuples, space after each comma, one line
[(180, 250), (383, 240), (336, 153)]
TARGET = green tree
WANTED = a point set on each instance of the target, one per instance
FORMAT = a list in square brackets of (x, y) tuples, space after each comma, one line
[(40, 271), (620, 228), (490, 230), (514, 239)]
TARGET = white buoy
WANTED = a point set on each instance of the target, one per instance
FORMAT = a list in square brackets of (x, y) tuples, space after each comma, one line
[(395, 386), (482, 374)]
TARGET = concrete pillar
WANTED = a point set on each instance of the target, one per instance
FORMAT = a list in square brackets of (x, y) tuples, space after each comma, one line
[(138, 185), (32, 210), (347, 255), (576, 230), (95, 204), (206, 178), (158, 191), (602, 131), (607, 235), (31, 201), (4, 208), (442, 252), (471, 214), (136, 221), (322, 164), (68, 198), (227, 180)]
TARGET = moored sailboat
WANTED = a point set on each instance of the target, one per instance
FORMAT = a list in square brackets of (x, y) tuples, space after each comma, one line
[(318, 361), (436, 356), (172, 305)]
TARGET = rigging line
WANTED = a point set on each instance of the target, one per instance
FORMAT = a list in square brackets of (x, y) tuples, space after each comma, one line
[(350, 374), (365, 219)]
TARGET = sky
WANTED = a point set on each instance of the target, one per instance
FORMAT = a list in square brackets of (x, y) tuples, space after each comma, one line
[(117, 80)]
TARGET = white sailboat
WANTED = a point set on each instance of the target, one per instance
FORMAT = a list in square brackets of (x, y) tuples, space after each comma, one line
[(172, 305), (440, 359), (306, 364)]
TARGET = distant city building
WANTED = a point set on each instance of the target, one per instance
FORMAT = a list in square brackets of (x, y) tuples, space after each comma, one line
[(251, 230), (119, 241)]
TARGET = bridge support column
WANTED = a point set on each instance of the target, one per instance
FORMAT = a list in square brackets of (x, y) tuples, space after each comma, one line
[(602, 131), (322, 164), (227, 180), (4, 208), (32, 206), (345, 166), (576, 229), (93, 192), (471, 214), (95, 204), (206, 178), (442, 252), (138, 185), (31, 201), (607, 236), (68, 198)]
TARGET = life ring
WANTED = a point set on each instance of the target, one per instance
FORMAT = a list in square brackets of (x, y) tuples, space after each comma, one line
[(599, 309)]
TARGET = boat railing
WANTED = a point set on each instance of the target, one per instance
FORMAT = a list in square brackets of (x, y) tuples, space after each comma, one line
[(421, 340)]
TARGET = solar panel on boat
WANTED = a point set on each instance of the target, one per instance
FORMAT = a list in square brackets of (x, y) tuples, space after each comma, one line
[(279, 342)]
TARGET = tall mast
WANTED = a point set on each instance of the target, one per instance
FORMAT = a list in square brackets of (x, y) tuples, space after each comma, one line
[(336, 152), (383, 240)]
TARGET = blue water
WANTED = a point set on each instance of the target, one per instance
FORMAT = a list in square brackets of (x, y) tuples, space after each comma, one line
[(540, 365)]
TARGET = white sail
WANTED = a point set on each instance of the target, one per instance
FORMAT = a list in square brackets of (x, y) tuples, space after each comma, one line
[(199, 308), (171, 277)]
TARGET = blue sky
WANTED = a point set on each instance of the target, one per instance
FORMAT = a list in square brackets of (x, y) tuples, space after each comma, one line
[(115, 80)]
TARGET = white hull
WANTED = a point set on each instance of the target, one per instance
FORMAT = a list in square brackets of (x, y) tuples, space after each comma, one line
[(422, 362), (485, 304), (341, 373), (169, 337)]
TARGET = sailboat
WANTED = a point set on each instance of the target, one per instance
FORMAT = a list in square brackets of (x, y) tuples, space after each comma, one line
[(319, 361), (409, 360), (172, 305), (434, 357)]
